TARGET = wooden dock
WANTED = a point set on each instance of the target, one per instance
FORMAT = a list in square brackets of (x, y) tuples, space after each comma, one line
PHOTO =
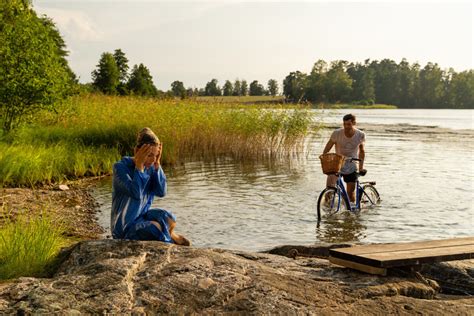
[(376, 259)]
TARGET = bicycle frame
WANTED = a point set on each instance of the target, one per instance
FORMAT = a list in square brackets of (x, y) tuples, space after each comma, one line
[(341, 190)]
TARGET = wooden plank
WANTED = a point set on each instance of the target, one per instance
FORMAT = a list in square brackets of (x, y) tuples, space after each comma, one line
[(395, 255), (411, 257), (363, 249), (358, 266)]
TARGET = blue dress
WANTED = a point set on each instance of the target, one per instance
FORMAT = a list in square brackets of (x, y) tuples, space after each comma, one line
[(133, 192)]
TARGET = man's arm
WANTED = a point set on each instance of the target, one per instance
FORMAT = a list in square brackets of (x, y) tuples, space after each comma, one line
[(361, 156), (328, 146)]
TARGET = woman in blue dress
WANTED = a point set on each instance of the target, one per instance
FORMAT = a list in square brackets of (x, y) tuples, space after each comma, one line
[(136, 182)]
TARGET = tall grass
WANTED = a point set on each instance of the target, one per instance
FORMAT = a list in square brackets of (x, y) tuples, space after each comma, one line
[(356, 106), (241, 99), (29, 164), (90, 132), (28, 245)]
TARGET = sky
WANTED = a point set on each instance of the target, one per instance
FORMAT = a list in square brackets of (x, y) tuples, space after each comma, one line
[(196, 41)]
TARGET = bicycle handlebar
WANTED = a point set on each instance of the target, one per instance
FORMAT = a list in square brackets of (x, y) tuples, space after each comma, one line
[(362, 172), (353, 159)]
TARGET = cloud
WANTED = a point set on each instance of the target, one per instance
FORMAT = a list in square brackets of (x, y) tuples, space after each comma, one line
[(73, 24)]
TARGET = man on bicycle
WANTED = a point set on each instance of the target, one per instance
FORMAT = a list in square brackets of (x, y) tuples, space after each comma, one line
[(349, 142)]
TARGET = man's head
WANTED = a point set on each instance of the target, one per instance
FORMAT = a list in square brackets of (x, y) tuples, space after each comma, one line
[(349, 121)]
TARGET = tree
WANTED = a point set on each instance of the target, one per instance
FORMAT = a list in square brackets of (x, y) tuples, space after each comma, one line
[(430, 90), (294, 86), (338, 83), (212, 89), (272, 87), (408, 76), (228, 89), (122, 64), (178, 89), (106, 77), (190, 92), (237, 88), (461, 90), (386, 81), (141, 82), (34, 74), (363, 90), (244, 88), (61, 46), (256, 88), (316, 82)]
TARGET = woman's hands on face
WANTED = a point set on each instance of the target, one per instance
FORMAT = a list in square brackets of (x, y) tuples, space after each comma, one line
[(157, 162), (141, 155)]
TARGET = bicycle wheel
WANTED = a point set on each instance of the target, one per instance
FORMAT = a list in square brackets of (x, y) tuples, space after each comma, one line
[(330, 202), (370, 196)]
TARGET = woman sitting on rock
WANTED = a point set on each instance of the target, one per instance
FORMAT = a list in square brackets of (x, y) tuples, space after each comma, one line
[(136, 181)]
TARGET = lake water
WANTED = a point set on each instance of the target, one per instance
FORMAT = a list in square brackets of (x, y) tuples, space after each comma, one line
[(422, 161)]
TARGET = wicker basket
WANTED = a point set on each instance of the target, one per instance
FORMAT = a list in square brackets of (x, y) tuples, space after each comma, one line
[(331, 163)]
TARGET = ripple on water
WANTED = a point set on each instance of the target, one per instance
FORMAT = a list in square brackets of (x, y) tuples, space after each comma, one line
[(425, 188)]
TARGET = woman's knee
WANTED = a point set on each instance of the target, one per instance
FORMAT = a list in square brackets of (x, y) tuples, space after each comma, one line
[(157, 225), (156, 214)]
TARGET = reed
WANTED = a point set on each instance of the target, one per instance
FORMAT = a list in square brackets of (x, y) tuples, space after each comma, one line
[(89, 132)]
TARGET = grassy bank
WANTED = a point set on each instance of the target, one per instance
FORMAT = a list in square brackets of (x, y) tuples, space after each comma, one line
[(28, 245), (242, 99), (90, 132), (356, 106)]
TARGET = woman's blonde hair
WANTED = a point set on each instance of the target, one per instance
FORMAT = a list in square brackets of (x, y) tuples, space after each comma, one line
[(146, 136)]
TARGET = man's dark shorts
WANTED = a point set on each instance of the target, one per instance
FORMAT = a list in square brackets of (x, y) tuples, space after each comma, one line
[(351, 177)]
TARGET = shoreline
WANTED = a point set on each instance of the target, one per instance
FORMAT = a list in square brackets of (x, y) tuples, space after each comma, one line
[(74, 207), (79, 209), (97, 275)]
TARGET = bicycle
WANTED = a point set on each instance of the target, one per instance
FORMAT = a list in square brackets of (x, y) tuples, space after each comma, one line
[(333, 199)]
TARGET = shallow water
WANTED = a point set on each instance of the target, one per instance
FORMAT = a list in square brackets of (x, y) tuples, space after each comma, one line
[(424, 175)]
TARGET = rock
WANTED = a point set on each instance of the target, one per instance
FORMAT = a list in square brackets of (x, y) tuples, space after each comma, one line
[(133, 277), (293, 251), (454, 277), (63, 187)]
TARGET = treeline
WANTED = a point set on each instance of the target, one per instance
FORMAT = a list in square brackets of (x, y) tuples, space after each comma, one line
[(112, 76), (384, 82), (236, 88)]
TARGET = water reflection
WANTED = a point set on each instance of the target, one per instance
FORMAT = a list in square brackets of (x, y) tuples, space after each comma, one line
[(345, 227)]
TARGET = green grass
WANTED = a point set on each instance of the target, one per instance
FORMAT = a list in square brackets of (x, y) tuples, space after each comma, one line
[(90, 132), (28, 246), (241, 99), (356, 106), (29, 164)]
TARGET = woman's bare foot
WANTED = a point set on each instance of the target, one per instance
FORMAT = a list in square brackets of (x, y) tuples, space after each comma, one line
[(180, 239)]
